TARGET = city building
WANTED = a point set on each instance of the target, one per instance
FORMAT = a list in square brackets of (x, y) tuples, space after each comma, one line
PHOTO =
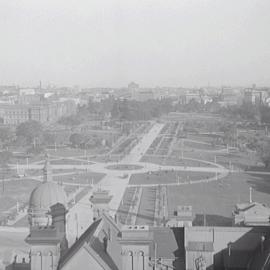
[(27, 91), (251, 214), (133, 86), (182, 217), (142, 95), (230, 97), (255, 96), (44, 112), (100, 203)]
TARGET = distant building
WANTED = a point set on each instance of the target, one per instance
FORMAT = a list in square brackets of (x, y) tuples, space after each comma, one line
[(182, 217), (133, 86), (14, 114), (100, 203), (27, 91), (143, 95), (191, 95), (140, 94), (230, 96), (255, 96), (251, 214), (30, 99)]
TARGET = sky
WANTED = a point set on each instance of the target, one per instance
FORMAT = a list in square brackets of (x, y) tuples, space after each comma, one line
[(109, 43)]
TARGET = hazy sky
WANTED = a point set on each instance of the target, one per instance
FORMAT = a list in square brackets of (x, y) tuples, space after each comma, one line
[(155, 43)]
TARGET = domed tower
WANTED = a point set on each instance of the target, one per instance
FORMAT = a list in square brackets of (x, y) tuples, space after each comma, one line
[(45, 195), (47, 219)]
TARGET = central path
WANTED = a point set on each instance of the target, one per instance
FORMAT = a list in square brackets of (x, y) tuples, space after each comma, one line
[(116, 182), (140, 149), (80, 215)]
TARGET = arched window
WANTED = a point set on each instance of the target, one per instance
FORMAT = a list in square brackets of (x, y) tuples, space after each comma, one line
[(141, 260), (40, 255), (51, 255), (130, 254)]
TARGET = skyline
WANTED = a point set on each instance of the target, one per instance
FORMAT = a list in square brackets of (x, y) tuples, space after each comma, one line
[(111, 43)]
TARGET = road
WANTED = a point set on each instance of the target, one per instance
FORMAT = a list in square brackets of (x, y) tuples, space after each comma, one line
[(80, 216), (140, 149)]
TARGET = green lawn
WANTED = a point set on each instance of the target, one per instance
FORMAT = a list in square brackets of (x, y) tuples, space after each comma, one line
[(218, 199), (164, 177), (175, 160), (13, 191), (80, 178), (71, 162)]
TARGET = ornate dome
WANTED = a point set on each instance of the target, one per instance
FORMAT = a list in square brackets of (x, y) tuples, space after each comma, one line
[(46, 195)]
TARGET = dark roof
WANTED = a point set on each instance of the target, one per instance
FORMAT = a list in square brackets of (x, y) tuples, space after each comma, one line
[(238, 259), (85, 237), (200, 246), (97, 246), (169, 241), (92, 241), (260, 258)]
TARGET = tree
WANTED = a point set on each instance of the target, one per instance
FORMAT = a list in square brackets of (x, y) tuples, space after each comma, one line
[(76, 139), (36, 150), (71, 121), (49, 138), (265, 114), (115, 112), (30, 130), (6, 135), (264, 152), (5, 157)]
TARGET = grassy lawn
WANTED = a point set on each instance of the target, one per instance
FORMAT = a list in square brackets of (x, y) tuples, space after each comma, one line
[(18, 190), (200, 137), (70, 162), (127, 202), (73, 152), (80, 178), (174, 161), (217, 199), (164, 177), (198, 145), (23, 160)]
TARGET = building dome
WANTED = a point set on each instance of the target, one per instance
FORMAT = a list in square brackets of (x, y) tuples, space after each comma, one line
[(45, 195)]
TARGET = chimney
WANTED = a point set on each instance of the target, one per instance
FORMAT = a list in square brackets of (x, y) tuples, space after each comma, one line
[(58, 213), (250, 195)]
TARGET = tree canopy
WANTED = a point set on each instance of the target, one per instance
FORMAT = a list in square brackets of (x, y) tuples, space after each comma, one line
[(29, 130)]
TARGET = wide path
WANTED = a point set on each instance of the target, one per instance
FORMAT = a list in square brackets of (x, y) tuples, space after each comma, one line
[(80, 215), (140, 149)]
